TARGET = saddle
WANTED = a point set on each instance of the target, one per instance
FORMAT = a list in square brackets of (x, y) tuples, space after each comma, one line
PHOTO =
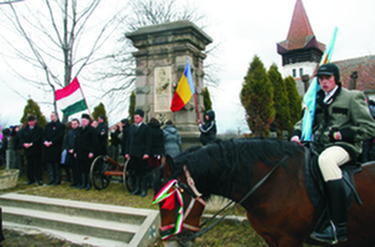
[(315, 186)]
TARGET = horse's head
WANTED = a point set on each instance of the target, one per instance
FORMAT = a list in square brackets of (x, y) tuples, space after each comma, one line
[(181, 205)]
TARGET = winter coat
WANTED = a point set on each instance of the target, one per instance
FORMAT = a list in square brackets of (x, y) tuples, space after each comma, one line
[(347, 112), (115, 140), (102, 130), (53, 132), (70, 139), (157, 147), (34, 136), (171, 140), (86, 142), (208, 130), (139, 141)]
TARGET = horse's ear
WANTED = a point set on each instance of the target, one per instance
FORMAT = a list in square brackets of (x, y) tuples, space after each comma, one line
[(168, 166)]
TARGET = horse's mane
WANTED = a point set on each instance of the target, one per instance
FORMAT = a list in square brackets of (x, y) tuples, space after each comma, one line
[(217, 164)]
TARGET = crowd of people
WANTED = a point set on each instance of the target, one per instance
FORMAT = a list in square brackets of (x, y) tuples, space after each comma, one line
[(66, 152)]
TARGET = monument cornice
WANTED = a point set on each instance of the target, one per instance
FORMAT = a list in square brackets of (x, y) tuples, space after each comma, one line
[(168, 34)]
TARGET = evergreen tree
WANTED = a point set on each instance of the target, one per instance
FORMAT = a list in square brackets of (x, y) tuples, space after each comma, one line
[(132, 107), (100, 110), (295, 101), (32, 108), (280, 99), (206, 101), (257, 99)]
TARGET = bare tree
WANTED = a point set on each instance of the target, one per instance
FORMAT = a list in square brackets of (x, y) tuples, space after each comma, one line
[(119, 70), (10, 2), (57, 36), (58, 43)]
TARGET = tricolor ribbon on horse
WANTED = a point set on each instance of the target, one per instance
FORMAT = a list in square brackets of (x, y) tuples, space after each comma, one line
[(168, 194)]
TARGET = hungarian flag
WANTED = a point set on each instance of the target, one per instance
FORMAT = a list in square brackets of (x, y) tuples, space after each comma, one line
[(184, 91), (70, 99)]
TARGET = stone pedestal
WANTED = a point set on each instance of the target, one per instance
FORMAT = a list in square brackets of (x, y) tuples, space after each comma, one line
[(161, 59)]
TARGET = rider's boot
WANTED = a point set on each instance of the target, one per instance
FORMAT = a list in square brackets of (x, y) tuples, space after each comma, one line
[(338, 214)]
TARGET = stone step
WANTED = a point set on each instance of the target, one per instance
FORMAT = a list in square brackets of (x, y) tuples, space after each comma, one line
[(115, 225), (78, 208), (80, 239)]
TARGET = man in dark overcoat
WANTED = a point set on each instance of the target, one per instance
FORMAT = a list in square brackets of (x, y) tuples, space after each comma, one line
[(138, 149), (69, 146), (31, 137), (52, 143), (102, 136), (85, 145)]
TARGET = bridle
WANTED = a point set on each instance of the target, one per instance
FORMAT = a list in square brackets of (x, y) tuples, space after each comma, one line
[(174, 231), (174, 188)]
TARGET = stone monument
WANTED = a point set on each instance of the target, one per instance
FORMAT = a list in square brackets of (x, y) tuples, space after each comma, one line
[(160, 62)]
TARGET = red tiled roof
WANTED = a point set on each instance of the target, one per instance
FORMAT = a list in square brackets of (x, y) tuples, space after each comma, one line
[(365, 66), (300, 32)]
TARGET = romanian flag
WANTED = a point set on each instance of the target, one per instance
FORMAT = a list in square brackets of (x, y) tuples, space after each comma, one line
[(70, 99), (184, 91), (309, 99)]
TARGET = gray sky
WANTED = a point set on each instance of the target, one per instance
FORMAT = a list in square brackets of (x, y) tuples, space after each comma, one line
[(243, 29)]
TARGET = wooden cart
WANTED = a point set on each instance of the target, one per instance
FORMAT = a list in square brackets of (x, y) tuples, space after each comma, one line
[(103, 168)]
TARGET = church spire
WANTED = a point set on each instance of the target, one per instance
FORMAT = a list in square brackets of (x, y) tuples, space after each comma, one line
[(300, 29), (300, 35)]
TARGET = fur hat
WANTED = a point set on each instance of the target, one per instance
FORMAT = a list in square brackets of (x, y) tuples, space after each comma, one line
[(139, 112), (31, 118), (85, 115)]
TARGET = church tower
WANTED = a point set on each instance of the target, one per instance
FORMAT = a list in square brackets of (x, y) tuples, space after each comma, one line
[(300, 52)]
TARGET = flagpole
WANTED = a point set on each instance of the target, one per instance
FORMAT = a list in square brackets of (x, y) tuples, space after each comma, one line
[(310, 96), (195, 98), (84, 98), (196, 107)]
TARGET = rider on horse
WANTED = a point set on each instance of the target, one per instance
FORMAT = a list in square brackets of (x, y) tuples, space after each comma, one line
[(342, 121)]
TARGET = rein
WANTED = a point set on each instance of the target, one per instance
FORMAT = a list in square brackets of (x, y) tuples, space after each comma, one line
[(204, 230)]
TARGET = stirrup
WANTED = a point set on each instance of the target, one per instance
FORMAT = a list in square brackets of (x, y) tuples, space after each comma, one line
[(334, 233)]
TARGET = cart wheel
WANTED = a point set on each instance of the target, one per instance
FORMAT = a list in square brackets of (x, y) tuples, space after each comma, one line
[(129, 177), (98, 179)]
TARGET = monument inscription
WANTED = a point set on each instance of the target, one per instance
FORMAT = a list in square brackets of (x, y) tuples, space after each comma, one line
[(163, 88)]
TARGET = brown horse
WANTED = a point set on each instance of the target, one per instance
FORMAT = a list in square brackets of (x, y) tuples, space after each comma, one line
[(279, 208)]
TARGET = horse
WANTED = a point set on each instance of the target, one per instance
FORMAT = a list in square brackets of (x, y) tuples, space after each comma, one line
[(278, 206)]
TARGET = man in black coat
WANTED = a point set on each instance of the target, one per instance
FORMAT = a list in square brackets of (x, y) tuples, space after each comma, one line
[(138, 149), (85, 145), (52, 142), (69, 146), (31, 140), (102, 136)]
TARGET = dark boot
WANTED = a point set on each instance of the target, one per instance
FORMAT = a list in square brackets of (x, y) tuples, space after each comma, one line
[(83, 182), (79, 181), (144, 186), (338, 214), (88, 182), (137, 186)]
